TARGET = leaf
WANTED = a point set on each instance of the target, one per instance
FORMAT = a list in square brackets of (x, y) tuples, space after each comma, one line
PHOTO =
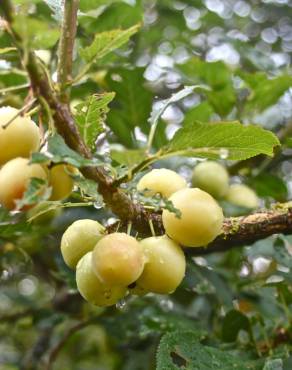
[(187, 90), (269, 185), (201, 112), (233, 322), (57, 8), (35, 193), (128, 157), (37, 34), (182, 350), (106, 42), (265, 91), (155, 114), (59, 152), (118, 15), (88, 188), (90, 116), (230, 140), (132, 105), (216, 75)]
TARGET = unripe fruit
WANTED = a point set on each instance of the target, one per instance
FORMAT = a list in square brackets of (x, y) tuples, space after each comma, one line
[(211, 177), (201, 218), (92, 289), (80, 238), (162, 181), (243, 196), (61, 181), (19, 138), (15, 177), (118, 259), (165, 265)]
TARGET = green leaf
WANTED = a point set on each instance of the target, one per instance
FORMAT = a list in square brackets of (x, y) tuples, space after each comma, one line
[(233, 322), (201, 112), (182, 350), (118, 15), (88, 188), (106, 42), (265, 91), (59, 152), (90, 116), (128, 157), (132, 105), (37, 34), (155, 114), (269, 185), (56, 7), (35, 193), (216, 75), (230, 140)]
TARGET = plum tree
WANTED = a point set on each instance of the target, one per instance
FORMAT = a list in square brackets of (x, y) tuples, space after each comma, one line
[(15, 176), (118, 259), (92, 289), (164, 267), (61, 182), (200, 220), (211, 177), (243, 196), (19, 138), (80, 238), (162, 181)]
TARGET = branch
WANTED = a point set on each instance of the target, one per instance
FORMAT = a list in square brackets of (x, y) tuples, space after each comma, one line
[(245, 230), (66, 46), (237, 231)]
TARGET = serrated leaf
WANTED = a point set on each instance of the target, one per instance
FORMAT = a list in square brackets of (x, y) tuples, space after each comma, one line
[(35, 193), (106, 42), (90, 116), (227, 140), (59, 152), (183, 350)]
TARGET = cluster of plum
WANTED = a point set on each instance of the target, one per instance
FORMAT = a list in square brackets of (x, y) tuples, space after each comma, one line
[(110, 266), (19, 137), (214, 179)]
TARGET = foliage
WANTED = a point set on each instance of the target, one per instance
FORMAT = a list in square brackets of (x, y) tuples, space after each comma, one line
[(164, 84)]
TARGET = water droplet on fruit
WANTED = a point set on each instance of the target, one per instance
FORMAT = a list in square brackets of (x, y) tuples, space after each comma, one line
[(223, 153)]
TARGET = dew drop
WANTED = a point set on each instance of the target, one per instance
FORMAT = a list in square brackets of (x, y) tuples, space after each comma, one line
[(98, 205)]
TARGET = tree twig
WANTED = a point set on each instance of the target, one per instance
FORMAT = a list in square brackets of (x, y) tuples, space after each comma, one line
[(66, 46), (54, 352)]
